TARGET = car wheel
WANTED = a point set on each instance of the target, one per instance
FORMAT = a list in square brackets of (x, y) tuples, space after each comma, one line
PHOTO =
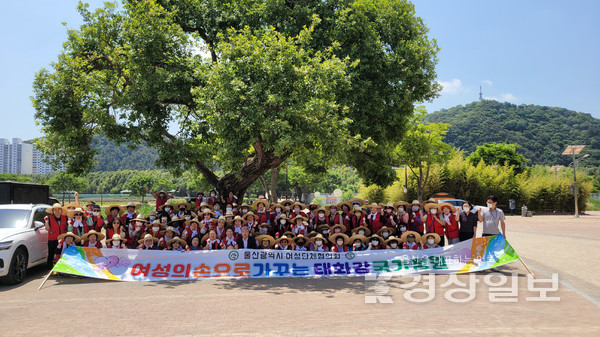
[(18, 268)]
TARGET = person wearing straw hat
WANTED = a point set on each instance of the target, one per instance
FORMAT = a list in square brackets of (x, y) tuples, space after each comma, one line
[(318, 243), (281, 225), (177, 224), (357, 219), (385, 232), (161, 197), (264, 228), (66, 240), (261, 206), (245, 241), (265, 241), (300, 242), (450, 217), (433, 223), (334, 217), (176, 245), (376, 242), (208, 219), (250, 219), (393, 243), (194, 244), (339, 241), (212, 198), (167, 235), (220, 229), (389, 215), (148, 242), (416, 218), (297, 210), (212, 241), (89, 208), (362, 230), (94, 221), (115, 227), (130, 213), (287, 206), (115, 242), (244, 208), (191, 230), (204, 206), (358, 242), (283, 243), (410, 240), (166, 209), (76, 221), (229, 240), (238, 223), (346, 208), (276, 212), (321, 217), (430, 240), (402, 214), (337, 229), (183, 209), (154, 228), (298, 226), (375, 219), (356, 203), (92, 239), (136, 230), (323, 230)]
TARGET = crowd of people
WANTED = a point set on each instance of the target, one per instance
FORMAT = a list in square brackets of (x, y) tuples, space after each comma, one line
[(212, 223)]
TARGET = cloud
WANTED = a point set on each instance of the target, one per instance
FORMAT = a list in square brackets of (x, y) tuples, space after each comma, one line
[(488, 82), (451, 87), (507, 97)]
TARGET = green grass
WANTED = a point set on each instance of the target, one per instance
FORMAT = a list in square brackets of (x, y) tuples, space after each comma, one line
[(593, 205)]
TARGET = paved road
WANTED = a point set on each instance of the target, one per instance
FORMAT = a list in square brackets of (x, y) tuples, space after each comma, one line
[(318, 307)]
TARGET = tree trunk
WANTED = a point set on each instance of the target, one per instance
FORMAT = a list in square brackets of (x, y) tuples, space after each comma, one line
[(274, 178), (263, 182)]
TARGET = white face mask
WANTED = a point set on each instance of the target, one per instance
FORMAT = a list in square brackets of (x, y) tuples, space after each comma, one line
[(165, 220), (228, 209), (375, 242), (318, 242), (415, 208), (361, 232), (234, 210), (393, 245), (152, 217), (356, 207), (167, 209), (264, 230), (325, 231), (434, 211), (296, 210), (287, 208), (244, 211), (116, 243), (277, 210), (283, 222), (400, 209), (187, 217), (386, 234), (403, 228), (217, 207), (155, 228), (321, 215), (333, 211), (466, 209), (96, 213), (430, 241), (489, 205)]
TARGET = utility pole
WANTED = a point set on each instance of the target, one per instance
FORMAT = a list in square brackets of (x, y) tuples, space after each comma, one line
[(574, 150)]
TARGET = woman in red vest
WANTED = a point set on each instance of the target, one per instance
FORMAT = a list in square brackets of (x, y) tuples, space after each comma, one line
[(451, 217), (416, 218), (375, 220), (433, 223), (56, 224)]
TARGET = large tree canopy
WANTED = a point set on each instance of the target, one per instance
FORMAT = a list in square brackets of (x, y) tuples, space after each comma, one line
[(240, 85)]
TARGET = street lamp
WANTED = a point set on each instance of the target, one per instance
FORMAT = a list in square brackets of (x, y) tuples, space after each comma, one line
[(573, 150)]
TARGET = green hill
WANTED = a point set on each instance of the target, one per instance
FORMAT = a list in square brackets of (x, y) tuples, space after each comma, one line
[(543, 132), (114, 158)]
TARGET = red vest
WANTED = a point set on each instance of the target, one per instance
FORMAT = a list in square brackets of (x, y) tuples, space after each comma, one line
[(262, 217), (375, 224), (336, 249), (452, 228), (55, 228), (433, 226)]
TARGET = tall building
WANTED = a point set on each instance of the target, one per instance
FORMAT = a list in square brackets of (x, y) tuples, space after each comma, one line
[(22, 158)]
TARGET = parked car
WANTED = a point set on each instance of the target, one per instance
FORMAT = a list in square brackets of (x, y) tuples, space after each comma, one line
[(23, 240), (454, 202)]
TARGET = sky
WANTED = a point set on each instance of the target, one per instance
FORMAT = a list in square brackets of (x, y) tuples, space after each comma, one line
[(523, 52)]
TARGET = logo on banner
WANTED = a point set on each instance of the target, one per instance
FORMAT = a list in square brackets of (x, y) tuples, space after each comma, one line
[(350, 255), (234, 255)]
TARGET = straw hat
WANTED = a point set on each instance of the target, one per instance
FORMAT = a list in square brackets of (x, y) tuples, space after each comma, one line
[(169, 229), (375, 236), (277, 205), (415, 202), (189, 222), (71, 205), (390, 205), (287, 201), (282, 217), (249, 214), (328, 207), (205, 204), (132, 204), (174, 219), (237, 217), (284, 237), (244, 205), (449, 205), (356, 201), (259, 201), (298, 217), (355, 237), (426, 236), (76, 238), (115, 237), (300, 236), (332, 228), (119, 207), (320, 209), (430, 200), (140, 218), (93, 203), (177, 239), (318, 236), (71, 213), (390, 239), (229, 214), (311, 235), (401, 203), (264, 224), (385, 229), (289, 234), (404, 236), (298, 204), (353, 211), (148, 237), (99, 236), (156, 223), (349, 205), (263, 237), (334, 237), (213, 214), (162, 207), (431, 205), (184, 204), (55, 206), (367, 231), (222, 218), (321, 228), (374, 205)]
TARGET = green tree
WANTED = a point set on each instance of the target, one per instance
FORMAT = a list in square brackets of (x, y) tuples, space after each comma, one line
[(242, 86), (498, 153), (422, 146), (64, 182), (138, 185)]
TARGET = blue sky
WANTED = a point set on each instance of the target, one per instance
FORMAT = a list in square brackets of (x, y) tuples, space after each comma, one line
[(524, 52)]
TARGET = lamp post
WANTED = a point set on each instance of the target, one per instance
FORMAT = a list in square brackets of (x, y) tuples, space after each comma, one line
[(575, 150)]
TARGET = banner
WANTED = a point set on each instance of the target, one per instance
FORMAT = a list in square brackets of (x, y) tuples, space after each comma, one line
[(147, 265)]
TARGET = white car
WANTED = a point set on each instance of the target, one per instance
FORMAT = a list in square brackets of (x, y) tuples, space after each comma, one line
[(23, 240)]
